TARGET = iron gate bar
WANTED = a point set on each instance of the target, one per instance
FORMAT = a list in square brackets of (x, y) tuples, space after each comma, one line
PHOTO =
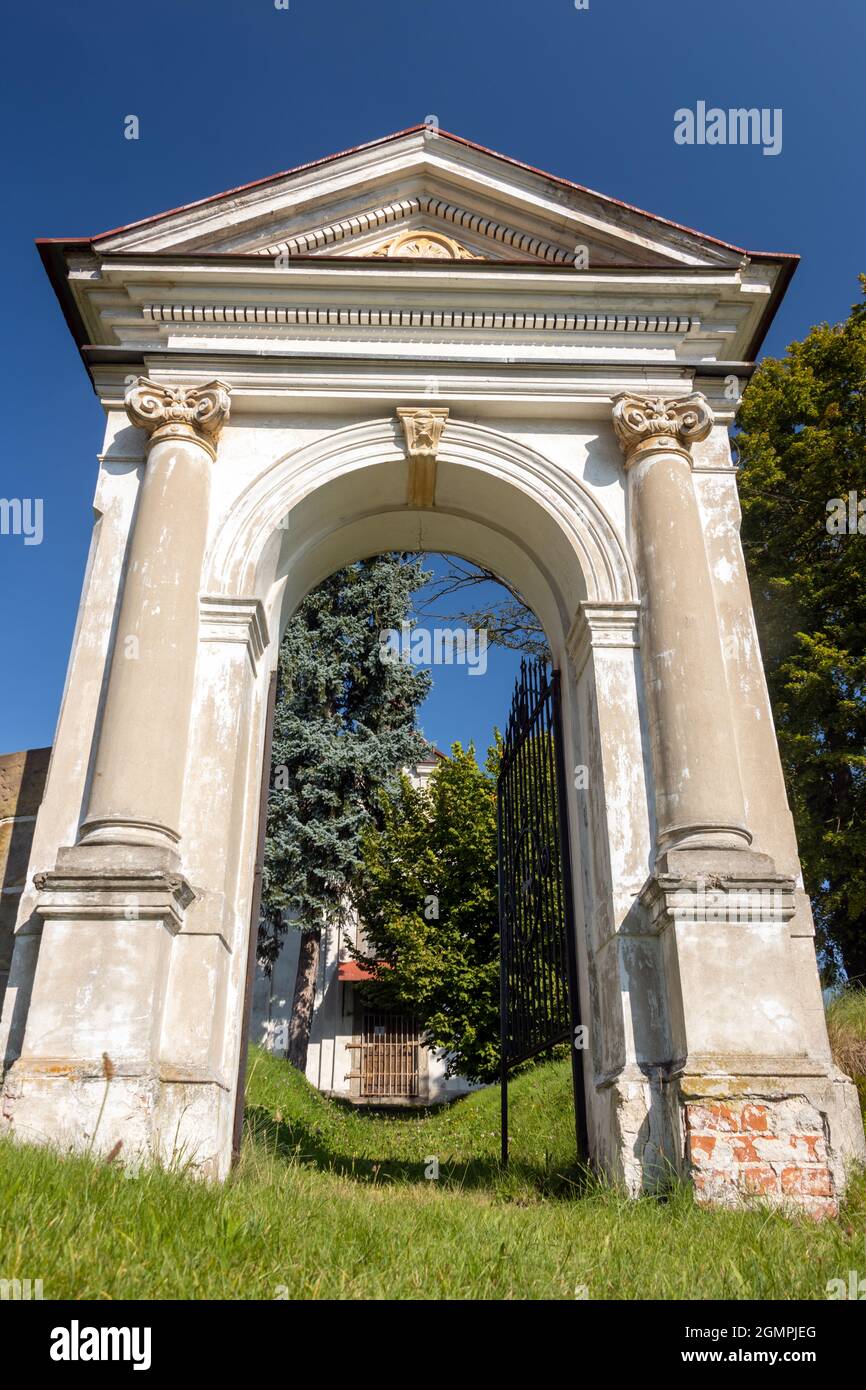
[(538, 986)]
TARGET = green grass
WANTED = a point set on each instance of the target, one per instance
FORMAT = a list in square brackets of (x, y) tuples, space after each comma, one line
[(846, 1025), (329, 1202)]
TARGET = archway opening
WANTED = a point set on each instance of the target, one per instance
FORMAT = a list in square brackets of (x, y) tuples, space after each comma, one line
[(526, 517), (458, 867)]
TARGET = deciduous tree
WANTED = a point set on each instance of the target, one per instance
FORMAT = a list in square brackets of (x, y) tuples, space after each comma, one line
[(802, 446), (426, 894)]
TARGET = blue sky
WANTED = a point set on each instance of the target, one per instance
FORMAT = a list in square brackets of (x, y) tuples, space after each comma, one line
[(227, 91)]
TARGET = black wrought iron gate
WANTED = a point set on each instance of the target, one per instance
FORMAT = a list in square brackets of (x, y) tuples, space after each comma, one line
[(539, 1002)]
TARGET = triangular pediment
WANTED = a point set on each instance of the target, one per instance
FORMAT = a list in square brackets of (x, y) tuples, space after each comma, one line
[(425, 226), (420, 195), (417, 237)]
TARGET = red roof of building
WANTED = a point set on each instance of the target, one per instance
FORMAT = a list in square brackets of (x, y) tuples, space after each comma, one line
[(350, 972)]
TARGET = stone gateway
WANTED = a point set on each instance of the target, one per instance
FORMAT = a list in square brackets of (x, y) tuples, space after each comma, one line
[(397, 347)]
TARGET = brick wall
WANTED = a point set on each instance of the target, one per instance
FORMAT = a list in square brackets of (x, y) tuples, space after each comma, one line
[(22, 782), (773, 1149)]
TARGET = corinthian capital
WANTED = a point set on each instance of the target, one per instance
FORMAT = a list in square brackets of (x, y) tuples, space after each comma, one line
[(185, 412), (643, 422)]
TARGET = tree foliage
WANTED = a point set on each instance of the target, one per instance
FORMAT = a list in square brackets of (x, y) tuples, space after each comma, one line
[(344, 726), (802, 443), (506, 617), (426, 894)]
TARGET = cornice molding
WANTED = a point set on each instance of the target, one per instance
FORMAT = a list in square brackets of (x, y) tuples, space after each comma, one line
[(491, 319), (699, 318), (281, 381), (336, 232)]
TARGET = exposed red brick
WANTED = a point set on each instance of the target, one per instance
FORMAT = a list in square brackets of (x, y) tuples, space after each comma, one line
[(807, 1182), (710, 1185), (713, 1116), (754, 1117), (701, 1149), (820, 1208), (811, 1148), (759, 1177), (750, 1149)]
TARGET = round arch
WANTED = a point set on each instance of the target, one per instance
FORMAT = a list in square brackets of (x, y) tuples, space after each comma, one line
[(498, 502)]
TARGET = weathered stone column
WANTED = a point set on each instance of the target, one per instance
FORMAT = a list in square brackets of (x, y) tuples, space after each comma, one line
[(91, 1070), (758, 1110), (699, 799), (138, 776)]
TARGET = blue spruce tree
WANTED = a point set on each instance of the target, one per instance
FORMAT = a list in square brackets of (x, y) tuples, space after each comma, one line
[(345, 724)]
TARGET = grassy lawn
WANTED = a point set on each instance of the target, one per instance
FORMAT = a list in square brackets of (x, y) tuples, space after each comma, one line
[(846, 1026), (328, 1202)]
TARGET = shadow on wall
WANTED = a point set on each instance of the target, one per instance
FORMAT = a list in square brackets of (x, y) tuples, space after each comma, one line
[(22, 783)]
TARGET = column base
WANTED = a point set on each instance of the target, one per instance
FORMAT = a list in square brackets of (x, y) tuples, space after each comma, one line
[(140, 833), (785, 1140), (761, 1112), (107, 875), (137, 1118), (704, 837), (90, 1077)]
